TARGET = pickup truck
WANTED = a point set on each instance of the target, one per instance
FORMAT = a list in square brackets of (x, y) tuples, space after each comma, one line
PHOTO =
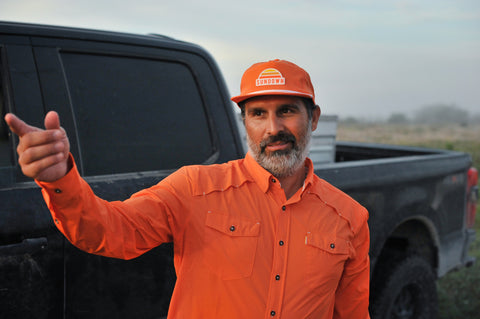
[(166, 105)]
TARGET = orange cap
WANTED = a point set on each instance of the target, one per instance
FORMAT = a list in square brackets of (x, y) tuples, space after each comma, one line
[(275, 77)]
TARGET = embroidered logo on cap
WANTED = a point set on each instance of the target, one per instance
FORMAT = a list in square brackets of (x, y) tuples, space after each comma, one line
[(270, 77)]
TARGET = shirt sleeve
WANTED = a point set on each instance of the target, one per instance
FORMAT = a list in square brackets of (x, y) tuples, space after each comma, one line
[(116, 229), (352, 295)]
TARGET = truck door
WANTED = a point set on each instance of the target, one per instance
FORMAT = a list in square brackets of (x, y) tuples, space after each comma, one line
[(31, 249)]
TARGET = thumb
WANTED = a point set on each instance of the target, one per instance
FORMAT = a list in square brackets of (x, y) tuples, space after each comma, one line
[(18, 126), (52, 121)]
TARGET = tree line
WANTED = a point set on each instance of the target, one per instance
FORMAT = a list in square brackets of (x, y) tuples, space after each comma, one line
[(429, 114)]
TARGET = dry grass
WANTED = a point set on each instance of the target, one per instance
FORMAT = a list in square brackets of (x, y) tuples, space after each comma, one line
[(407, 134)]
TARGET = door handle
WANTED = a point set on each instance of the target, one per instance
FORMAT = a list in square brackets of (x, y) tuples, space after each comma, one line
[(29, 245)]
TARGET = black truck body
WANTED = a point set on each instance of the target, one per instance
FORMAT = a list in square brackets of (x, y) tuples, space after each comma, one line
[(166, 106)]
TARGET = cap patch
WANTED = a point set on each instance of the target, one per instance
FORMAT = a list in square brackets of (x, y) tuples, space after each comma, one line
[(270, 77)]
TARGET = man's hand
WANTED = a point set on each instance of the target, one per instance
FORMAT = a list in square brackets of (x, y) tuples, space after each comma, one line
[(42, 154)]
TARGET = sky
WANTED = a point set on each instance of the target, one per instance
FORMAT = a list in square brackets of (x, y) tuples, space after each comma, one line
[(366, 58)]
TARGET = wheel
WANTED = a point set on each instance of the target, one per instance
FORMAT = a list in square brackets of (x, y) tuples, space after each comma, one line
[(406, 290)]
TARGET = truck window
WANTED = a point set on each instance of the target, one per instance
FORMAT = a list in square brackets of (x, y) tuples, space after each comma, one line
[(136, 114)]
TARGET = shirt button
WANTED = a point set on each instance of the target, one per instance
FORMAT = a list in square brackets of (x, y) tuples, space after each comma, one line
[(272, 313), (332, 245), (284, 207), (274, 180), (232, 228), (57, 190), (277, 277), (281, 243)]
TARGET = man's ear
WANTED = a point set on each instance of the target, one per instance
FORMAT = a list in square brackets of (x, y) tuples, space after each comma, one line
[(315, 116)]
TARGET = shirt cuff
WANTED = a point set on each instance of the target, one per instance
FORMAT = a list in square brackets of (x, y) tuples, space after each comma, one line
[(57, 192)]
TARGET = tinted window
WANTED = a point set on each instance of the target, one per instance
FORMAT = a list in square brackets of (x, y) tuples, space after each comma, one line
[(136, 114)]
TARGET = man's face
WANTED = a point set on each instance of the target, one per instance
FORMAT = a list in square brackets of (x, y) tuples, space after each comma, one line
[(278, 132)]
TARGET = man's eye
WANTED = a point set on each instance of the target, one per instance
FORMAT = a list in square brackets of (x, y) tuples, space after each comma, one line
[(257, 113)]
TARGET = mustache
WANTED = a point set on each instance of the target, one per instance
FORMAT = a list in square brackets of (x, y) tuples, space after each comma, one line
[(280, 137)]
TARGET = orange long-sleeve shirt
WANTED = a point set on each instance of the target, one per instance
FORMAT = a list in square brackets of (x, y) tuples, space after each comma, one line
[(241, 249)]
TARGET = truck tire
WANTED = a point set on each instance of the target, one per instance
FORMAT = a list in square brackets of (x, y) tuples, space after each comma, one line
[(406, 291)]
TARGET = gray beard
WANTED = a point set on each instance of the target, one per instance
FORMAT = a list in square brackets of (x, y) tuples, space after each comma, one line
[(283, 163)]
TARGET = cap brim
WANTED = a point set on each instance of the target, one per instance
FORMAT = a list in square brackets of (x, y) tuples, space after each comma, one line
[(243, 97)]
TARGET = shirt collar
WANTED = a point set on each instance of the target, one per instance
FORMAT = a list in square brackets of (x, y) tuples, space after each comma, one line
[(310, 173), (262, 177)]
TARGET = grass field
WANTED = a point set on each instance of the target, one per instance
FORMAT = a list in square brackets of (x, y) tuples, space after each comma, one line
[(459, 291)]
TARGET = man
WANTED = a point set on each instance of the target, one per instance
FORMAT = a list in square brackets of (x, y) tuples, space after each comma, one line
[(260, 237)]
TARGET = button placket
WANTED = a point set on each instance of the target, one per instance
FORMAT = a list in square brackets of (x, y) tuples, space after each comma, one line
[(277, 282)]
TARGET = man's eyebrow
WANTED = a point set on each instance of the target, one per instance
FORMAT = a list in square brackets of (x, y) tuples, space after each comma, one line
[(255, 108), (289, 105)]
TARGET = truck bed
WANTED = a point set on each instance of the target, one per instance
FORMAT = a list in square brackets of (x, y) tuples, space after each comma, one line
[(407, 190)]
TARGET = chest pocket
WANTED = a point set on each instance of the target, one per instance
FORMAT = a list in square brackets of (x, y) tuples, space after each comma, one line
[(230, 245), (326, 256)]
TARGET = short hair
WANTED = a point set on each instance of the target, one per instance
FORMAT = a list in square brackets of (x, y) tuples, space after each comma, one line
[(308, 102)]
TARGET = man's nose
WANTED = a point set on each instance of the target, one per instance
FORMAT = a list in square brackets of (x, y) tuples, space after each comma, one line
[(274, 125)]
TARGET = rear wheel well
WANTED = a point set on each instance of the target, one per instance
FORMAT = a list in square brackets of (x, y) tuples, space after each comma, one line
[(413, 237), (412, 240)]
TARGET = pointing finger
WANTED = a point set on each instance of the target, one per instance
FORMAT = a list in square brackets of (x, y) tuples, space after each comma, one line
[(18, 126)]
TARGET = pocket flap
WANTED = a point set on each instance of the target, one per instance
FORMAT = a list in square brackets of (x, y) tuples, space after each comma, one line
[(328, 243), (232, 226)]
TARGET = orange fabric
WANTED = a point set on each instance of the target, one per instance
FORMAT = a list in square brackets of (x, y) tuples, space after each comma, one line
[(275, 77), (241, 249)]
